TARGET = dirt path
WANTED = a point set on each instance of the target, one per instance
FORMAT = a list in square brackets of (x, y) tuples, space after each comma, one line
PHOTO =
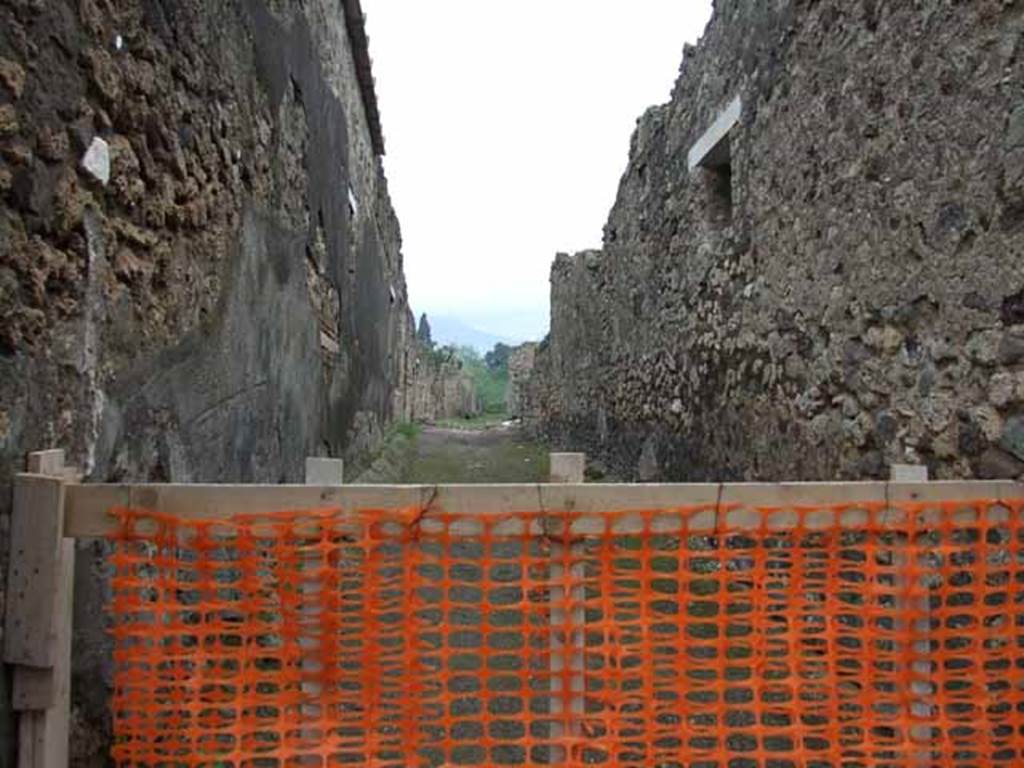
[(492, 455), (430, 455)]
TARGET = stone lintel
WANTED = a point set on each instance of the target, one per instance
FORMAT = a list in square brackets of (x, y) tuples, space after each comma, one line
[(709, 149)]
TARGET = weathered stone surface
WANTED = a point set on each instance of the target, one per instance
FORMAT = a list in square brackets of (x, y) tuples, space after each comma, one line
[(8, 120), (1011, 346), (104, 75), (847, 296), (1006, 388), (164, 326), (1013, 437), (520, 368), (52, 144), (12, 75), (1015, 129), (437, 387), (999, 465)]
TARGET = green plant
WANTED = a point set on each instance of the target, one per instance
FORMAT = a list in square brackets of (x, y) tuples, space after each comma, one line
[(407, 430), (491, 384), (482, 421)]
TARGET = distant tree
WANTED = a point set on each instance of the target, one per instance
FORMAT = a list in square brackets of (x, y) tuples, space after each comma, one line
[(423, 332), (497, 359), (491, 385)]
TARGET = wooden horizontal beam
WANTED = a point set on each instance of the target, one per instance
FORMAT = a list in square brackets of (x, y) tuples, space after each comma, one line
[(87, 507)]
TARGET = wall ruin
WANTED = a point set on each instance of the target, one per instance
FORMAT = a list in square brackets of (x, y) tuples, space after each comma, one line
[(438, 388), (224, 297), (838, 286), (520, 368)]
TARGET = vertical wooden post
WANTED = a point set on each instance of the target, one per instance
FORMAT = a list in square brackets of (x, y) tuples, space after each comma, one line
[(37, 632), (321, 471), (919, 633), (908, 473), (566, 468)]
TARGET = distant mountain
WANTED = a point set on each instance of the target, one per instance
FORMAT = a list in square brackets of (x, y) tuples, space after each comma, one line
[(450, 330)]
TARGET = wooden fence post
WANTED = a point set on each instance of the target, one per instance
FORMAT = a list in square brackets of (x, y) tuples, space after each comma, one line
[(37, 631), (908, 473), (566, 468), (321, 471), (919, 631)]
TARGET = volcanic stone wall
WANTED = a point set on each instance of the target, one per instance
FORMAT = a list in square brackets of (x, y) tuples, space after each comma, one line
[(438, 387), (200, 267), (841, 288), (520, 370)]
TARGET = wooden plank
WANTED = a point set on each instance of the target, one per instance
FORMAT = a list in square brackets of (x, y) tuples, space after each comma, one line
[(33, 688), (44, 569), (320, 471), (43, 688), (36, 526), (88, 506), (42, 740), (567, 617), (46, 462), (917, 632), (955, 490), (764, 495), (44, 731), (908, 473), (31, 739)]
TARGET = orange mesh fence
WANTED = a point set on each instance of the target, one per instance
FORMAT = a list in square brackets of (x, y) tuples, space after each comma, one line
[(878, 635)]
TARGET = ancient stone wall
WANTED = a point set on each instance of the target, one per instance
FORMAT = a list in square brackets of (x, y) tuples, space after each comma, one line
[(520, 369), (438, 387), (839, 285), (221, 299)]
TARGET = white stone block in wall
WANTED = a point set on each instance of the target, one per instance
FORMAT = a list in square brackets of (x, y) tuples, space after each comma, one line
[(97, 160)]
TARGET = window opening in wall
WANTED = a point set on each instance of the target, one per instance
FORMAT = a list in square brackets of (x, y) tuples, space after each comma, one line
[(717, 173), (711, 159)]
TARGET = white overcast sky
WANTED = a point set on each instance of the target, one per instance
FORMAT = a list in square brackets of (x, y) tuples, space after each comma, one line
[(507, 127)]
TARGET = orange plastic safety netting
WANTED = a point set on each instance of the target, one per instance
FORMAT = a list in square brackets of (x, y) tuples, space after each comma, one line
[(875, 635)]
